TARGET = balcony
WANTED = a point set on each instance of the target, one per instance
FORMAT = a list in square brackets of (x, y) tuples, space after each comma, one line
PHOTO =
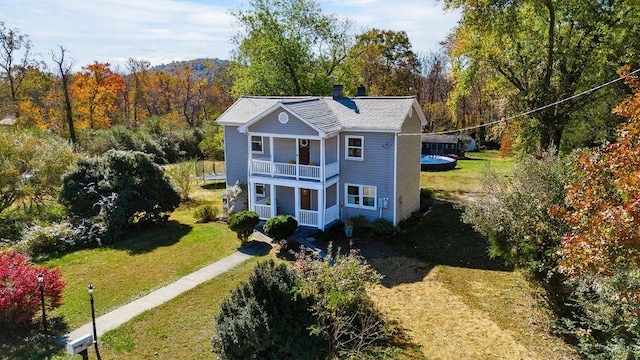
[(292, 171)]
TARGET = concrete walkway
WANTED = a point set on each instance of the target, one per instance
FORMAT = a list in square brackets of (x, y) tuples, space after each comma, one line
[(109, 321)]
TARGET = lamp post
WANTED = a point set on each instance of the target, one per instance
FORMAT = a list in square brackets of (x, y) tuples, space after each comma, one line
[(44, 315), (93, 319)]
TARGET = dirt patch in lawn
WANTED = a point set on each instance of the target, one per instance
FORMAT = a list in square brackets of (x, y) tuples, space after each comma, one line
[(439, 320)]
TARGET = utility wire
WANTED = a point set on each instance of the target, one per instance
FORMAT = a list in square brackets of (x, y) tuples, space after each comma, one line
[(530, 111)]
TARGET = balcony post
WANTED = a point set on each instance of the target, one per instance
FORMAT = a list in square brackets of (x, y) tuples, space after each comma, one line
[(323, 161), (272, 196), (271, 165), (322, 206), (297, 202)]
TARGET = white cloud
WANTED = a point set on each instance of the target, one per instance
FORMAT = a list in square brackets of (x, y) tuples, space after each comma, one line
[(169, 30)]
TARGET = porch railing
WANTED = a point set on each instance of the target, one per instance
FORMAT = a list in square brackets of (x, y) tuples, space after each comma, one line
[(312, 172), (264, 211), (308, 218), (331, 214)]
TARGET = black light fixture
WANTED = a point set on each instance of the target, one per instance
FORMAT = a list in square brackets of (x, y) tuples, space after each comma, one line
[(93, 319), (44, 315)]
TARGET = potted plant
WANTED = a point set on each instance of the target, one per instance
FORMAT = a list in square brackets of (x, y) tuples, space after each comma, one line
[(348, 227)]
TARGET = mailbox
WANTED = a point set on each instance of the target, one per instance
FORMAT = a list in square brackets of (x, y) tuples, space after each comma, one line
[(80, 344)]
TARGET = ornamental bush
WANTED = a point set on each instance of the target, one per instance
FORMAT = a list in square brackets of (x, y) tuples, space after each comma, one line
[(280, 227), (263, 319), (207, 213), (121, 188), (243, 223), (40, 240), (20, 292), (382, 227)]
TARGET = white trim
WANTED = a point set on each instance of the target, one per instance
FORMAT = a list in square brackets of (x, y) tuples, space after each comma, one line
[(395, 179), (245, 127), (261, 144), (361, 196), (293, 182), (224, 143), (284, 136), (346, 147)]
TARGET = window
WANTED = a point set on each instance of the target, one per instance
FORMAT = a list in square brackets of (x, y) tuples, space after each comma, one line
[(354, 149), (256, 144), (260, 190), (361, 196)]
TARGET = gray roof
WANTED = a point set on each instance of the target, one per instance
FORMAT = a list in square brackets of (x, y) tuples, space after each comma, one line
[(440, 139), (366, 113)]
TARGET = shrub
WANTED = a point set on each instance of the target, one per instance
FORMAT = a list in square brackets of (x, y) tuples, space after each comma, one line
[(19, 289), (183, 175), (262, 319), (280, 227), (120, 189), (346, 316), (207, 213), (38, 241), (515, 213), (382, 227), (243, 223)]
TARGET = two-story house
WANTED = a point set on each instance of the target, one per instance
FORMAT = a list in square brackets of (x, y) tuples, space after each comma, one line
[(325, 159)]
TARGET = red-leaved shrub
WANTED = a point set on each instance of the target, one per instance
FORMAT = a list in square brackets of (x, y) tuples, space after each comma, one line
[(20, 291)]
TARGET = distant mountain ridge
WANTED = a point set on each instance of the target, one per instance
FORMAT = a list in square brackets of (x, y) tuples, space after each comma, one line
[(199, 66)]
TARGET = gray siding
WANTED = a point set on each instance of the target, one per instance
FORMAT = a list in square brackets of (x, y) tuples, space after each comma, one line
[(286, 201), (284, 150), (331, 154), (376, 170), (235, 155), (270, 124), (408, 173), (331, 195)]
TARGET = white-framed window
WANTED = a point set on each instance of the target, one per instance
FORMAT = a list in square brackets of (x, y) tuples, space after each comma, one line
[(261, 190), (360, 196), (256, 145), (354, 147)]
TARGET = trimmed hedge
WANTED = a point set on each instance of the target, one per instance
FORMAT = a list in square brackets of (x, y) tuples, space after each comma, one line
[(280, 227), (242, 223)]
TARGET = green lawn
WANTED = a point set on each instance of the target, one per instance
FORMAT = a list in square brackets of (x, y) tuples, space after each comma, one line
[(489, 311), (455, 185), (141, 263)]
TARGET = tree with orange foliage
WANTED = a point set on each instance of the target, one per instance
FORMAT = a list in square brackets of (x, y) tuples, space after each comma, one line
[(603, 202), (95, 92), (601, 252)]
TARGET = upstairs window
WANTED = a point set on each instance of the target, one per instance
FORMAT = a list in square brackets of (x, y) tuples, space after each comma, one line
[(354, 149), (256, 145)]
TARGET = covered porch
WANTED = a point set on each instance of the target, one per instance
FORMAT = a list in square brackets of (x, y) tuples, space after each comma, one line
[(313, 206)]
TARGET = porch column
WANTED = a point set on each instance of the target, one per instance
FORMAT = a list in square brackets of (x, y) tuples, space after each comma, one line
[(338, 151), (323, 164), (271, 166), (251, 187), (250, 156), (297, 162), (322, 206), (272, 195), (297, 197)]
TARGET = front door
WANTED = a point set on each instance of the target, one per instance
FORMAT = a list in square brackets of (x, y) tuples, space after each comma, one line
[(303, 151), (305, 199)]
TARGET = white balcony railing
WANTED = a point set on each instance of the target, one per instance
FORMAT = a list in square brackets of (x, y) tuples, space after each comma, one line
[(264, 211), (308, 172)]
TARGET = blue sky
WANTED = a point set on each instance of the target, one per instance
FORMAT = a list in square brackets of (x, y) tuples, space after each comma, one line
[(162, 31)]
